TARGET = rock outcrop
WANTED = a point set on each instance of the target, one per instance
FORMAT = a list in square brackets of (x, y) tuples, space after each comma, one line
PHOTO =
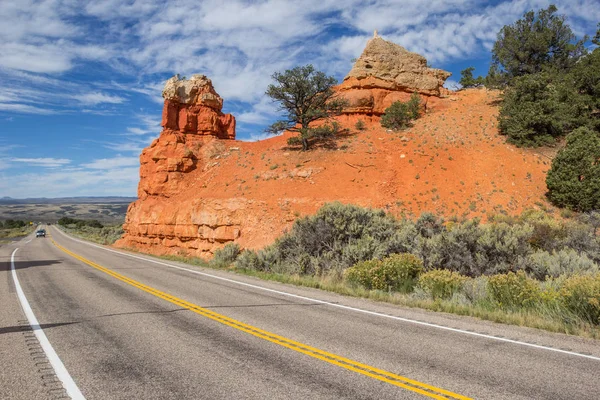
[(193, 106), (199, 191), (385, 73), (193, 127)]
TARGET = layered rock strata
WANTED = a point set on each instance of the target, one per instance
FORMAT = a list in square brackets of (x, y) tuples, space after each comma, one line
[(386, 72)]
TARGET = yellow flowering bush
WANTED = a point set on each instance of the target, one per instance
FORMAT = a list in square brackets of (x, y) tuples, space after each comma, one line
[(581, 295), (441, 283), (391, 272), (513, 289)]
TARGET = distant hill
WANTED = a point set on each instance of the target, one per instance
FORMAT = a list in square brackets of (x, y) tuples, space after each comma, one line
[(109, 209), (68, 200)]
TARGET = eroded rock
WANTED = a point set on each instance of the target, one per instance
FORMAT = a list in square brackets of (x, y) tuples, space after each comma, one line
[(385, 73)]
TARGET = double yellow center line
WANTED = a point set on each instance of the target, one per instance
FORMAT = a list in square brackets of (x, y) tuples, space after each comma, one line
[(363, 369)]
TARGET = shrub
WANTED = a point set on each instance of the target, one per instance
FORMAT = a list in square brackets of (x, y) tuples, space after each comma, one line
[(249, 260), (360, 125), (360, 273), (454, 249), (225, 256), (476, 289), (398, 271), (567, 262), (574, 179), (399, 115), (500, 246), (547, 231), (513, 290), (337, 237), (581, 295), (12, 223), (441, 283)]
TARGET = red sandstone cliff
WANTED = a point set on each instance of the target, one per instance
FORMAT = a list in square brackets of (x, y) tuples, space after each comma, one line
[(199, 189)]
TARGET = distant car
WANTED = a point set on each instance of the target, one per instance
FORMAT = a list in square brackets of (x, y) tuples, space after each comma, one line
[(40, 233)]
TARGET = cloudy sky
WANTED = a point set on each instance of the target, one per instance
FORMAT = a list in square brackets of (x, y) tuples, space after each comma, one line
[(81, 81)]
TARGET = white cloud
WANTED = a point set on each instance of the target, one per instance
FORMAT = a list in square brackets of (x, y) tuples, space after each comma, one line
[(47, 162), (137, 131), (24, 109), (98, 98), (116, 162)]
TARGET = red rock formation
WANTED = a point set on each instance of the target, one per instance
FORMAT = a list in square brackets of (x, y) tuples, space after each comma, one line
[(385, 73), (193, 107), (193, 125), (198, 192)]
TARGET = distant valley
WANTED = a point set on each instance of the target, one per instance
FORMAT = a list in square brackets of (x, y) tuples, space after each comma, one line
[(104, 209)]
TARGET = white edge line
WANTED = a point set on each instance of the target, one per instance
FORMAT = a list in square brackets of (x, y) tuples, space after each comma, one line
[(412, 321), (59, 368)]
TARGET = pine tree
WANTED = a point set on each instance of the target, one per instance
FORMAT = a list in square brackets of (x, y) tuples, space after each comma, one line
[(574, 179)]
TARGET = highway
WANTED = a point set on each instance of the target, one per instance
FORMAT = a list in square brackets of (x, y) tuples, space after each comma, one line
[(128, 326)]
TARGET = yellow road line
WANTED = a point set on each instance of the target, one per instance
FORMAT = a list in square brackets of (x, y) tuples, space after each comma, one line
[(379, 374)]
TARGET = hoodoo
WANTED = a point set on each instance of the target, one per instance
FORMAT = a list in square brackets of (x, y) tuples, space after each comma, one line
[(386, 72)]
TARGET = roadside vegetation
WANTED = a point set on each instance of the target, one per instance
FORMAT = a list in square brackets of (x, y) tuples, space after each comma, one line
[(533, 270), (92, 230), (10, 229)]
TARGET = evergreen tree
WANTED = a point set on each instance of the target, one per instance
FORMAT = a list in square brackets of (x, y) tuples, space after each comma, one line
[(537, 42), (306, 96), (467, 80), (538, 108), (574, 179)]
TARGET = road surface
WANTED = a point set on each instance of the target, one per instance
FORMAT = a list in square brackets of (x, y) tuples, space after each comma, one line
[(115, 325)]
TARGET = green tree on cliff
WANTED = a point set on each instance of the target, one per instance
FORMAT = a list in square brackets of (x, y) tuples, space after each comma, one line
[(306, 96)]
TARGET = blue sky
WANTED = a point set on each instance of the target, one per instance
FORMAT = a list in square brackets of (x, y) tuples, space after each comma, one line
[(81, 81)]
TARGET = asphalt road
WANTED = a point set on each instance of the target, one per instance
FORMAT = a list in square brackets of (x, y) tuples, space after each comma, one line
[(128, 328)]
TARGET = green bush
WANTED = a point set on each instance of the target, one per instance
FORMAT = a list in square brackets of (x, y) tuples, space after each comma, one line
[(12, 223), (538, 108), (513, 290), (360, 125), (473, 249), (249, 260), (574, 179), (441, 283), (225, 256), (398, 271), (581, 295), (542, 264), (360, 273), (337, 237), (399, 115)]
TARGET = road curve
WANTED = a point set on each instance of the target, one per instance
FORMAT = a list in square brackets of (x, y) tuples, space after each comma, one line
[(125, 327)]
